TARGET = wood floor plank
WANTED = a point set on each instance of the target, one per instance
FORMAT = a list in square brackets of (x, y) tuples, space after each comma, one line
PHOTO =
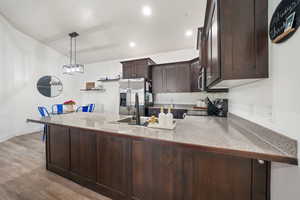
[(23, 175)]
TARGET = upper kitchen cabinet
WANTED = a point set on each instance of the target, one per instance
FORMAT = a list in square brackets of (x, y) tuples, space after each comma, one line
[(234, 42), (137, 68), (171, 77), (196, 78)]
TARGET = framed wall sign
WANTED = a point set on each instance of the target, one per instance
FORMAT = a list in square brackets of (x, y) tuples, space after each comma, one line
[(285, 20)]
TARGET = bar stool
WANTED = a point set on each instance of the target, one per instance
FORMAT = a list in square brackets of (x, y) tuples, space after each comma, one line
[(58, 109), (91, 107), (44, 113), (87, 108)]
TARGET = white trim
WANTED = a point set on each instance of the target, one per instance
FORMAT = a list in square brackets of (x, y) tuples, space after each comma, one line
[(19, 134)]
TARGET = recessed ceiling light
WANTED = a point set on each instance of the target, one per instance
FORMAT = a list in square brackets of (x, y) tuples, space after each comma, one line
[(188, 33), (132, 44), (147, 11)]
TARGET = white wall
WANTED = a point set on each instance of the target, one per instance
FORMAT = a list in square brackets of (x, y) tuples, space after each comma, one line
[(274, 103), (22, 62), (109, 100), (185, 98)]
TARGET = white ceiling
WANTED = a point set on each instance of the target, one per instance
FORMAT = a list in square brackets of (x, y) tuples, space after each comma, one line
[(107, 26)]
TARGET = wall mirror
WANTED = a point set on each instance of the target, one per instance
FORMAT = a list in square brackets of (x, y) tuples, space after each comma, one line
[(49, 86)]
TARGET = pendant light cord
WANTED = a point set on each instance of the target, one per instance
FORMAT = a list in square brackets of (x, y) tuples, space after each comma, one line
[(75, 51), (71, 46)]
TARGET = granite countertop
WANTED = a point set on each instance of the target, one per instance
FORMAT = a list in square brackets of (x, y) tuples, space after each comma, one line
[(219, 135)]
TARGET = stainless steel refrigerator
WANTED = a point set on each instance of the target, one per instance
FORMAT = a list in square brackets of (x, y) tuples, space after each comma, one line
[(128, 89)]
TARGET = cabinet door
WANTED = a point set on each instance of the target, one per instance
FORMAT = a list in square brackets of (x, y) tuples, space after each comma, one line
[(178, 77), (213, 71), (216, 177), (83, 153), (158, 85), (178, 113), (239, 40), (195, 73), (156, 172), (208, 59), (58, 145), (142, 69), (128, 70), (171, 76), (113, 164), (215, 57)]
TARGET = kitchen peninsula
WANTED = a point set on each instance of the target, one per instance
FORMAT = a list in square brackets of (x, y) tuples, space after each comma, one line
[(203, 158)]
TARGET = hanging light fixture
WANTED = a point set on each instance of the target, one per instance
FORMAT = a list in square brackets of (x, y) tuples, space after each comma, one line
[(73, 67)]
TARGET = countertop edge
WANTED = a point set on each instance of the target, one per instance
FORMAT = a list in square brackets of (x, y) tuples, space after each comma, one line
[(211, 149)]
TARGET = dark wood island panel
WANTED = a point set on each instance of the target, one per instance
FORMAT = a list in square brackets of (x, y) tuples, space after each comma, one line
[(124, 168)]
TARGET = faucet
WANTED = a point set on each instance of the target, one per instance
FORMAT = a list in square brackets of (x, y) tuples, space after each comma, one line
[(137, 109)]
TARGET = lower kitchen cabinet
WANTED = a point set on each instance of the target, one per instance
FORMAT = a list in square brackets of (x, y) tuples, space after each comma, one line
[(58, 147), (83, 153), (166, 172), (125, 168), (113, 165), (213, 176), (156, 172), (177, 113)]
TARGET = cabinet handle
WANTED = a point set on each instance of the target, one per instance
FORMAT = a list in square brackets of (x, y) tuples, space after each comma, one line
[(199, 87)]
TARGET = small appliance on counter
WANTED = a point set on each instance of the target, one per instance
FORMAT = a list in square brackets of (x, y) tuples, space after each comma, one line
[(219, 107)]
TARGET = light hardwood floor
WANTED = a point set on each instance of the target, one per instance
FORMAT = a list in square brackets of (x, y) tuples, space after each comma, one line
[(23, 175)]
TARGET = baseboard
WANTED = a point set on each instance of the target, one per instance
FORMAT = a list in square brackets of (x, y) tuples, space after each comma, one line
[(3, 139), (6, 138)]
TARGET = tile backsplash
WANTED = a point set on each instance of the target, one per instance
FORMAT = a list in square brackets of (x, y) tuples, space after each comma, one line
[(185, 98)]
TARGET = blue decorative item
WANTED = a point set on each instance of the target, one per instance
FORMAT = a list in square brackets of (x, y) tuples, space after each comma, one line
[(58, 109), (88, 108), (44, 113), (91, 107), (82, 109)]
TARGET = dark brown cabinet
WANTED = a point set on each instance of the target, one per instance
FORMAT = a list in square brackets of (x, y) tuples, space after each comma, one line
[(58, 147), (196, 80), (156, 172), (113, 165), (83, 153), (158, 79), (177, 113), (161, 171), (171, 77), (137, 68), (122, 167), (234, 44), (203, 170)]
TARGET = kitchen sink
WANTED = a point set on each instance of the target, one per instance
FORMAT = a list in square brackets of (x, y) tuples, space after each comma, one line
[(131, 121)]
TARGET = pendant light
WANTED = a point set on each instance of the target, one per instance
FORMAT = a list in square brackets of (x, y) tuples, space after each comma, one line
[(73, 67)]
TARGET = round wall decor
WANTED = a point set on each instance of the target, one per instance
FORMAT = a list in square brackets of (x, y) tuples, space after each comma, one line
[(285, 20)]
